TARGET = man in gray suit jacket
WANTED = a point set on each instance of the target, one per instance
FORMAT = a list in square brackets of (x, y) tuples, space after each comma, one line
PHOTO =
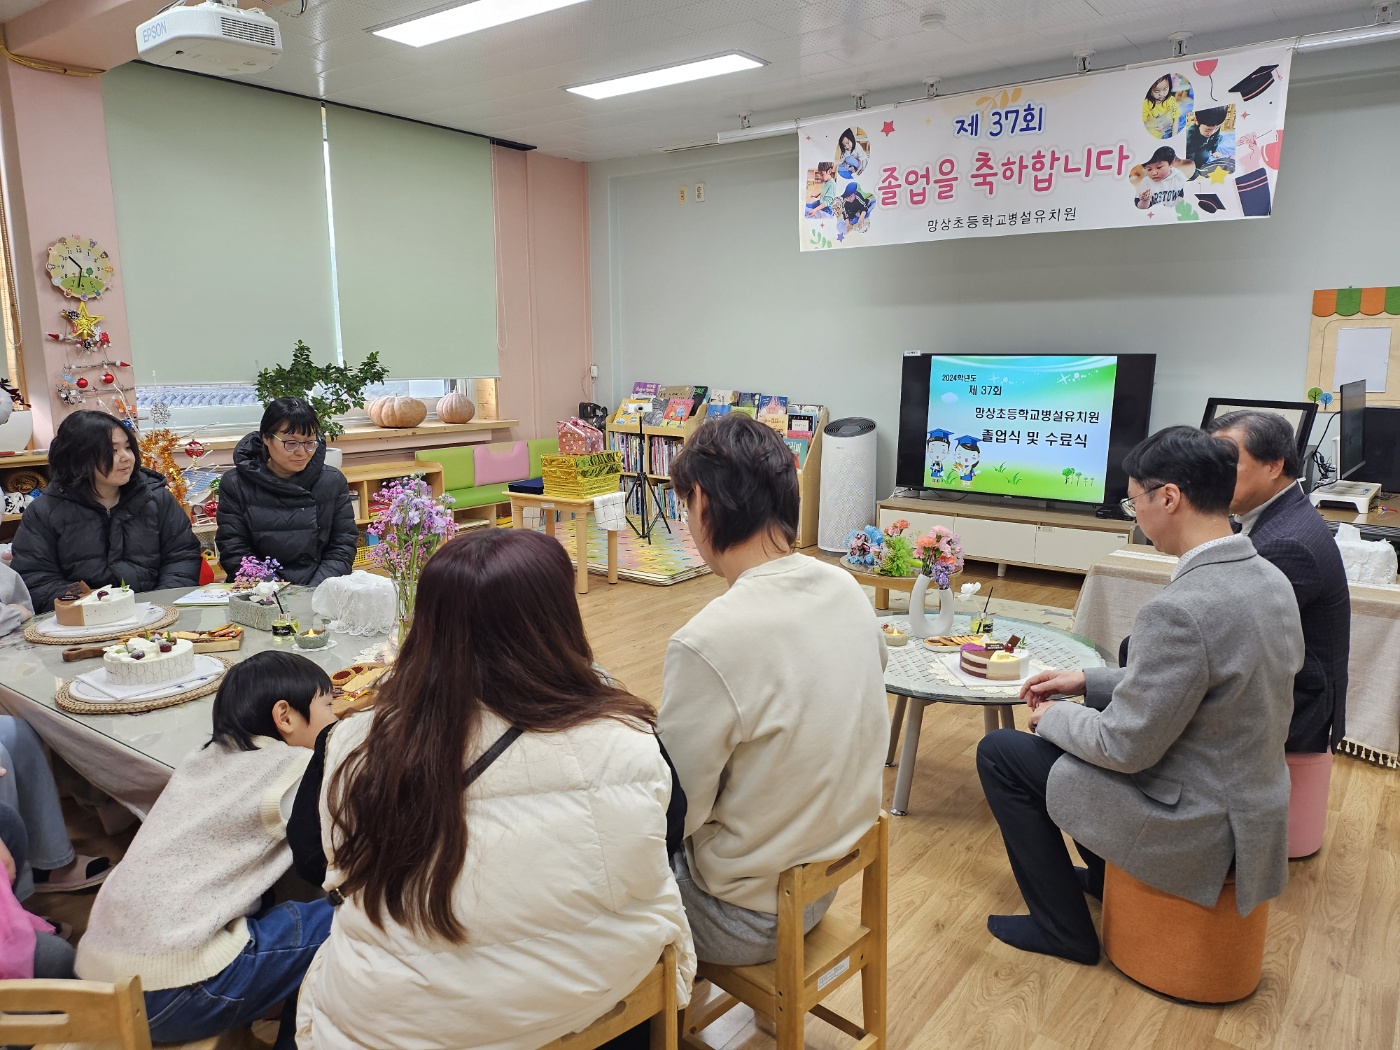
[(1173, 769)]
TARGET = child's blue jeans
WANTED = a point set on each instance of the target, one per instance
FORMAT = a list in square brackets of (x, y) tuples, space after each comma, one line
[(281, 943)]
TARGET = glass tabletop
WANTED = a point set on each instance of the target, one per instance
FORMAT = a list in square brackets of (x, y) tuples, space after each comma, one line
[(914, 670), (35, 673)]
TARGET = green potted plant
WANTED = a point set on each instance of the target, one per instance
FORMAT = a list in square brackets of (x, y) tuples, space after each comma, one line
[(331, 390)]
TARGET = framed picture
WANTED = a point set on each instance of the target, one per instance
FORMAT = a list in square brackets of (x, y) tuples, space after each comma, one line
[(1300, 414)]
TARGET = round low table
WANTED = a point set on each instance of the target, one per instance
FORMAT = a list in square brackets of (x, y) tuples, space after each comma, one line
[(914, 678)]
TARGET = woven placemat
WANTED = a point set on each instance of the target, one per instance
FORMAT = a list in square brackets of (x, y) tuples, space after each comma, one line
[(67, 702), (33, 634)]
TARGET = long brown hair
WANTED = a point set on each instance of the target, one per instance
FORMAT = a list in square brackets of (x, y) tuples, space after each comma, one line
[(496, 625)]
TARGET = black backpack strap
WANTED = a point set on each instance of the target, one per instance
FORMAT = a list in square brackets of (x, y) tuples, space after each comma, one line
[(492, 753), (474, 770)]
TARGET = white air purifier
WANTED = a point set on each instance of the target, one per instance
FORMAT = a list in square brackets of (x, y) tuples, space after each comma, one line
[(848, 481)]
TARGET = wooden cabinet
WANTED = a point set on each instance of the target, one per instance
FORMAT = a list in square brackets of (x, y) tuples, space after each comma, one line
[(1068, 541)]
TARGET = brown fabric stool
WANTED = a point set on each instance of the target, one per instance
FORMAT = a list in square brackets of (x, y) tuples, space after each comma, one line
[(1177, 948)]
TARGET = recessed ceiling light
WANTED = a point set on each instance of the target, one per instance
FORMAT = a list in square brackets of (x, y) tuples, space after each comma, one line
[(467, 18), (667, 75), (933, 21)]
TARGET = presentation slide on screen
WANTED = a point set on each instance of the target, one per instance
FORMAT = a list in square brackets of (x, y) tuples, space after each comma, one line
[(1020, 426)]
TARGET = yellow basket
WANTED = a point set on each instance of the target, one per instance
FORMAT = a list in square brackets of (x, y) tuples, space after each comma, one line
[(581, 477)]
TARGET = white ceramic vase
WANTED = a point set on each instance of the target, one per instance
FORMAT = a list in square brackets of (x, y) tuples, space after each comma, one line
[(922, 625), (335, 457), (16, 431)]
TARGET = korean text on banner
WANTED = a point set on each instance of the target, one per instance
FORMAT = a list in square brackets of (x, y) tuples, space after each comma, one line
[(1191, 140)]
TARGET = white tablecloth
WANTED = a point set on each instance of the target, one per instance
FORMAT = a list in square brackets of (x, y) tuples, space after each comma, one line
[(1120, 584)]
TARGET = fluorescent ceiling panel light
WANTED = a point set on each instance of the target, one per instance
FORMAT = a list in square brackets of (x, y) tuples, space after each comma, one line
[(681, 74), (468, 18)]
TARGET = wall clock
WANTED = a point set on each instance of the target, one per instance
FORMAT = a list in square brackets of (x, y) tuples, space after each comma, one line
[(79, 267)]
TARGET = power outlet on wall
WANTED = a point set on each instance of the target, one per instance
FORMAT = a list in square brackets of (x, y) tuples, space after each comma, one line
[(699, 193), (681, 195)]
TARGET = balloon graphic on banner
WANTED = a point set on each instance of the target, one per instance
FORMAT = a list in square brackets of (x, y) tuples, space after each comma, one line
[(1205, 67)]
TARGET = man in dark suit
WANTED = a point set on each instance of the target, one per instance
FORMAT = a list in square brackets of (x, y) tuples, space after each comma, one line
[(1172, 769), (1287, 530)]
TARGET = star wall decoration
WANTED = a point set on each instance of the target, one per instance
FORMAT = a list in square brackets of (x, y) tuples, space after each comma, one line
[(84, 324), (888, 129)]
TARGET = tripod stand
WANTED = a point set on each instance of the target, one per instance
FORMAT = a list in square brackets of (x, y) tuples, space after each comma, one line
[(640, 483)]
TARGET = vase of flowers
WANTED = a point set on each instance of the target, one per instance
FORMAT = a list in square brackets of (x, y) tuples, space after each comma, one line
[(409, 525), (940, 557)]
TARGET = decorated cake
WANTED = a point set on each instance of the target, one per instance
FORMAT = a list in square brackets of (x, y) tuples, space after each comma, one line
[(995, 661), (84, 607), (149, 660)]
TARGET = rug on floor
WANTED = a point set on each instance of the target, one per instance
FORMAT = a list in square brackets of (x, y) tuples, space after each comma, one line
[(671, 557)]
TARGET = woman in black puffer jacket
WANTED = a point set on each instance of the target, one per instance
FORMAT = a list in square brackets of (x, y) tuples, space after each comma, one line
[(103, 519), (281, 501)]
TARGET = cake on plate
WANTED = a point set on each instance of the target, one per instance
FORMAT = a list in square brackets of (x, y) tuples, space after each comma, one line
[(994, 661), (85, 607), (149, 660)]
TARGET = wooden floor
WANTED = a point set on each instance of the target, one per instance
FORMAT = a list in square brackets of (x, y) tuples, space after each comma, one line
[(1331, 975)]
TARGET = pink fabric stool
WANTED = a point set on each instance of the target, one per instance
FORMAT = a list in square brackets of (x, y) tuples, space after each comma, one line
[(1311, 774)]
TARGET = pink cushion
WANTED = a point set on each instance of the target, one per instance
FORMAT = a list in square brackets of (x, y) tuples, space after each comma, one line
[(497, 464), (1311, 774)]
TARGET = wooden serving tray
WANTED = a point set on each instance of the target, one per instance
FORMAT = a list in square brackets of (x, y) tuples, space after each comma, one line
[(362, 699)]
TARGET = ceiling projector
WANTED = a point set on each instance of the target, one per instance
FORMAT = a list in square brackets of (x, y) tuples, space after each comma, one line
[(212, 37)]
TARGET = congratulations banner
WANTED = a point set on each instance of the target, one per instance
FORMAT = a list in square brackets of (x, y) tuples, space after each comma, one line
[(1192, 140)]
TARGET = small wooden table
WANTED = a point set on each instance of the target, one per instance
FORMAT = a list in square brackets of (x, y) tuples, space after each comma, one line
[(579, 509), (882, 584)]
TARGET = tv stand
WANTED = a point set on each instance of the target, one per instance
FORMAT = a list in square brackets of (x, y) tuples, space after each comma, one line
[(1063, 540), (1358, 494)]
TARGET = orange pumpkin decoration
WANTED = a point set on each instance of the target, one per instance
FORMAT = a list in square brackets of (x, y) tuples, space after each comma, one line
[(400, 410), (455, 407), (374, 409)]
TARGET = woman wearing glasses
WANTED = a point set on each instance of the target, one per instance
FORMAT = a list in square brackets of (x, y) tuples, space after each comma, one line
[(103, 519), (281, 501)]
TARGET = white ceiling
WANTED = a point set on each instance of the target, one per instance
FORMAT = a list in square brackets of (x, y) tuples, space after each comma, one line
[(508, 82)]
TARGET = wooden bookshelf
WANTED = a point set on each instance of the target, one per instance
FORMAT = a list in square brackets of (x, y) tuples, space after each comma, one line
[(808, 475), (368, 478)]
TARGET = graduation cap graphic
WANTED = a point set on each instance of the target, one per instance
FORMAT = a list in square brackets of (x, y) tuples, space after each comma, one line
[(940, 435), (968, 441), (1210, 202), (1256, 83)]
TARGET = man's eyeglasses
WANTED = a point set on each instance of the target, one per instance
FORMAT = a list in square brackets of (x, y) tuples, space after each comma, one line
[(1127, 504), (298, 446)]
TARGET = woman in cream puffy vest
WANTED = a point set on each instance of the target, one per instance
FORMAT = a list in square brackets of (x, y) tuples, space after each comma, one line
[(500, 888)]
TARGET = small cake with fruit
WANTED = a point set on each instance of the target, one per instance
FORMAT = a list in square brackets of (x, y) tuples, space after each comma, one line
[(84, 607), (995, 661), (149, 660)]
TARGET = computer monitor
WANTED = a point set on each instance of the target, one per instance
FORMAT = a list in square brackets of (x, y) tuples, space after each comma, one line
[(1300, 414), (1352, 455)]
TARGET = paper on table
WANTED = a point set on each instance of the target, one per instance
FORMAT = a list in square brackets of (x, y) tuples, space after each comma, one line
[(1363, 353), (214, 594), (143, 616), (205, 668)]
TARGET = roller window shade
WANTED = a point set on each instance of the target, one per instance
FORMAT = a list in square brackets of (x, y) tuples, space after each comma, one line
[(220, 197), (415, 245)]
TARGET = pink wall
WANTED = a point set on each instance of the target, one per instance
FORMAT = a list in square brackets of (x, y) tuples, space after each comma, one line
[(542, 294), (58, 182)]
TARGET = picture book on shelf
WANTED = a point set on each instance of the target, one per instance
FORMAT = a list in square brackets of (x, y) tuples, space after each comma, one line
[(655, 416), (747, 404), (630, 409), (799, 443), (640, 389), (772, 411), (677, 409), (721, 401)]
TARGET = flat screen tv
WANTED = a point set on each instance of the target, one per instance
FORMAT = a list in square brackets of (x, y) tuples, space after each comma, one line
[(1036, 426)]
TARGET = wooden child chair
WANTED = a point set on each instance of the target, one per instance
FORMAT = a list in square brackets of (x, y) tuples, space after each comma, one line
[(87, 1015), (808, 969), (654, 998)]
